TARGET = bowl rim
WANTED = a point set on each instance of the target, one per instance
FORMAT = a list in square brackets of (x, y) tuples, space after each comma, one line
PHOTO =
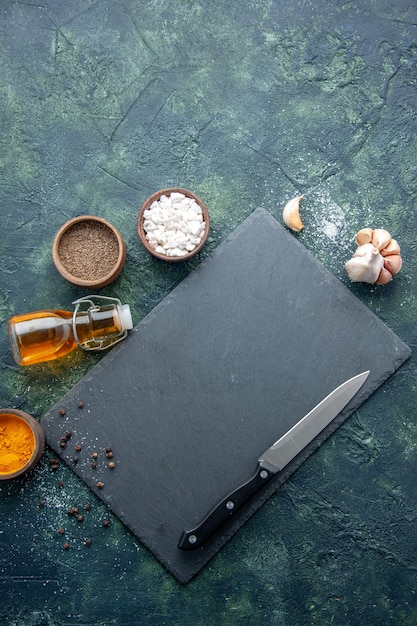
[(82, 282), (38, 437), (156, 196)]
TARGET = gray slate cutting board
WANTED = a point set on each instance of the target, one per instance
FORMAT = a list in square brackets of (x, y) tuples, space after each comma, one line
[(246, 345)]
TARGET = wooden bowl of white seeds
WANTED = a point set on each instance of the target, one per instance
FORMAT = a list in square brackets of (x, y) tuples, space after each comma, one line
[(173, 224)]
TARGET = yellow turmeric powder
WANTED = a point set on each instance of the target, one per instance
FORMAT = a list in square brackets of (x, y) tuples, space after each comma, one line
[(17, 443)]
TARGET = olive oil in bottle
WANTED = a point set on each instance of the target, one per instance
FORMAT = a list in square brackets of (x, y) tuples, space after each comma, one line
[(50, 334)]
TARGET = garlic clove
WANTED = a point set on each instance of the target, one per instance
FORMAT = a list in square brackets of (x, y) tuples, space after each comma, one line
[(291, 214), (393, 263), (392, 248), (364, 236), (384, 277), (380, 238), (365, 265)]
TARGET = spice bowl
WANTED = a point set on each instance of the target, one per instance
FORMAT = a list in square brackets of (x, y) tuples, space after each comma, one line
[(173, 224), (89, 252), (22, 442)]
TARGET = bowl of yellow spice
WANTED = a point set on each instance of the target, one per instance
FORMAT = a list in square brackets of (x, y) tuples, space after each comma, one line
[(22, 443)]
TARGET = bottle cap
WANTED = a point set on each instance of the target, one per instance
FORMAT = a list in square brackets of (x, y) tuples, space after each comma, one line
[(126, 317)]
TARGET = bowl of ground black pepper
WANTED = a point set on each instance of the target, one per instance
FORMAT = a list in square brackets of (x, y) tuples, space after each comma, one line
[(89, 252), (22, 442)]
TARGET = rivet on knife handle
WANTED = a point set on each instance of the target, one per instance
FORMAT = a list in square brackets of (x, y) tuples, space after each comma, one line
[(223, 510), (273, 460)]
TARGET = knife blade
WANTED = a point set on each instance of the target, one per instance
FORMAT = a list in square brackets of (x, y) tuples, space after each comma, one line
[(273, 461)]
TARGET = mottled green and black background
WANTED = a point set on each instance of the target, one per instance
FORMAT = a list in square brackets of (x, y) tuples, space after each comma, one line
[(246, 103)]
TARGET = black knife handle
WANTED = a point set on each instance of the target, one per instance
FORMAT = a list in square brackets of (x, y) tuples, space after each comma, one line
[(225, 508)]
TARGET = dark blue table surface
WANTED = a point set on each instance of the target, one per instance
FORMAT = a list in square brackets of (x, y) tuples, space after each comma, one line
[(247, 104)]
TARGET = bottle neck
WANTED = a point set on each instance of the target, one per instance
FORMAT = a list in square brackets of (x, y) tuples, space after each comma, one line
[(100, 326), (97, 327)]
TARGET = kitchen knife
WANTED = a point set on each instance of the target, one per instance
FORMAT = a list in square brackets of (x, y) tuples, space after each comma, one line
[(273, 461)]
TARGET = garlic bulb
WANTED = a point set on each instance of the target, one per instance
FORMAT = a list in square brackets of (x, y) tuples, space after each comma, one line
[(366, 264), (291, 214), (376, 259)]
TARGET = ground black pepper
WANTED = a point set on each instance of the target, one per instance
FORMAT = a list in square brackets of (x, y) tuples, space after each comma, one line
[(88, 250)]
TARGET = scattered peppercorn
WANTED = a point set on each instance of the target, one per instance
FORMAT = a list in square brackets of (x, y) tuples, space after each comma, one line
[(62, 412), (111, 465), (70, 512), (80, 405), (75, 509), (66, 545), (77, 448), (88, 542), (87, 506), (61, 531), (64, 439), (100, 485), (60, 483), (106, 523), (95, 455), (80, 518)]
